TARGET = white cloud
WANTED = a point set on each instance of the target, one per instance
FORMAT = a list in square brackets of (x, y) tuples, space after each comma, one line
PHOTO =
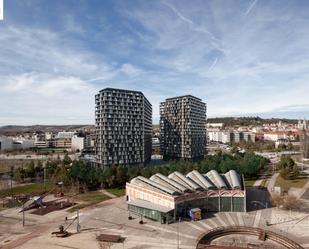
[(130, 70), (211, 49)]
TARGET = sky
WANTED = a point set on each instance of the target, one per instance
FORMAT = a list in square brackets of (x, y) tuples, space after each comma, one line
[(243, 58)]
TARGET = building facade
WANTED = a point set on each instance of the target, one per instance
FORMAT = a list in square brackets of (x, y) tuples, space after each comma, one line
[(166, 198), (304, 143), (123, 127), (77, 143), (183, 128), (230, 136)]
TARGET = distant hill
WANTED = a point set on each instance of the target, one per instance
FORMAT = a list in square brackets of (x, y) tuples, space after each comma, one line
[(13, 130), (245, 121)]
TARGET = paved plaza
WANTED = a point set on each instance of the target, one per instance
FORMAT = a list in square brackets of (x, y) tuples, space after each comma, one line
[(111, 217)]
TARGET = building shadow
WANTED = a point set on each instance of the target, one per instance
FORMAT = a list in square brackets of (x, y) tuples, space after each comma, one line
[(258, 198)]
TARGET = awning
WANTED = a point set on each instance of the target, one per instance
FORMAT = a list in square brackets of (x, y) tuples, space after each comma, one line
[(149, 205)]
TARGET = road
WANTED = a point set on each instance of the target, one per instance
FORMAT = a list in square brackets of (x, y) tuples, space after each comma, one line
[(37, 157)]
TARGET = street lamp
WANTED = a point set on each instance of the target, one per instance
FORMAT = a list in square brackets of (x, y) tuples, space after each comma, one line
[(178, 232)]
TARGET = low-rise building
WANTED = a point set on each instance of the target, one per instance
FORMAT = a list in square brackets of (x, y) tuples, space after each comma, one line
[(66, 134), (65, 143), (166, 198), (23, 144), (78, 143), (6, 143), (274, 136), (230, 136)]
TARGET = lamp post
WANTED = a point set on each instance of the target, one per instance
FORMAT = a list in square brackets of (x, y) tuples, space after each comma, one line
[(178, 232), (12, 173)]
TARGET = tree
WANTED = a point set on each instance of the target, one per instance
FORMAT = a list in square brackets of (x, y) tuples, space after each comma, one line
[(67, 160), (30, 169), (288, 168), (121, 175)]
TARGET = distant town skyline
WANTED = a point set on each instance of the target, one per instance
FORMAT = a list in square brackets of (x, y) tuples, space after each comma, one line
[(243, 58)]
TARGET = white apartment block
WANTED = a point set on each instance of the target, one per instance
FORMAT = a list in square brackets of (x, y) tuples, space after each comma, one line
[(13, 143), (6, 143), (230, 136), (78, 143), (274, 136), (66, 134)]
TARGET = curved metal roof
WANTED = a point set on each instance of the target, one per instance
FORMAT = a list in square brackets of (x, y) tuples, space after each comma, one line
[(235, 180), (157, 185), (176, 183), (188, 181), (216, 179), (173, 183), (158, 180), (200, 179)]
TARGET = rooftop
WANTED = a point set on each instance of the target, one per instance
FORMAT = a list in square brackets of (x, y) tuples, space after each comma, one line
[(183, 96), (178, 184), (120, 90)]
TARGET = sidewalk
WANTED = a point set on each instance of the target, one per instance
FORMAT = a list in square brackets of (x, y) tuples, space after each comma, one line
[(258, 182), (108, 193), (298, 192), (271, 183)]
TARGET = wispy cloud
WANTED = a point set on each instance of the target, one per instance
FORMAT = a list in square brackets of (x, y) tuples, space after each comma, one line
[(163, 48), (250, 7), (214, 41), (213, 64)]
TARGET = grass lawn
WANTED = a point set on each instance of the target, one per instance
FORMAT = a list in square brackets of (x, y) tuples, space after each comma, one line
[(117, 191), (29, 189), (249, 182), (287, 184), (88, 199)]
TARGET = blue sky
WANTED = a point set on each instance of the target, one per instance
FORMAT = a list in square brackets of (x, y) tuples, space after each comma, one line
[(241, 57)]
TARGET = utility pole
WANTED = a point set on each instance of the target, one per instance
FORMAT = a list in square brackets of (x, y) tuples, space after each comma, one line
[(178, 232), (12, 170), (23, 214), (77, 226), (44, 169)]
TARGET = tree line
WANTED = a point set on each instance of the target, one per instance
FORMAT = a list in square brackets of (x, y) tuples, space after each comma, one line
[(81, 173), (248, 164)]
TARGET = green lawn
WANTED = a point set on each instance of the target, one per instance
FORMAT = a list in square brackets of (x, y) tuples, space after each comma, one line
[(249, 182), (117, 191), (287, 184), (29, 189), (88, 199)]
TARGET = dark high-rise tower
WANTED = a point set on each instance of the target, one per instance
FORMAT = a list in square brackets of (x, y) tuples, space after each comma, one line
[(183, 127), (123, 127)]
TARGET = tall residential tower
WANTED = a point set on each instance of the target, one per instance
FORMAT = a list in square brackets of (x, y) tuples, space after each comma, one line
[(183, 127), (123, 127)]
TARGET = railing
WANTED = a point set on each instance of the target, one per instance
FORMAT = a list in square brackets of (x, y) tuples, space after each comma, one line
[(215, 233)]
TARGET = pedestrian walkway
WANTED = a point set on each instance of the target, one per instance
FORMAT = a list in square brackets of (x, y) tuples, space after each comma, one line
[(258, 182), (257, 218), (271, 183), (103, 191)]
